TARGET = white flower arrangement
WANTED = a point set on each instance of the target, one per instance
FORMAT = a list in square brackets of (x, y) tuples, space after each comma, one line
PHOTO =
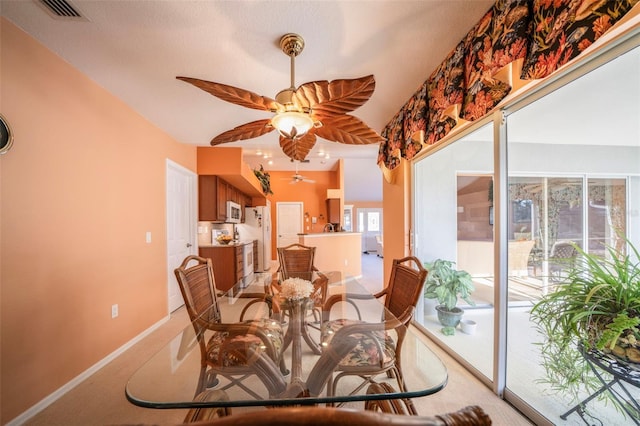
[(296, 288)]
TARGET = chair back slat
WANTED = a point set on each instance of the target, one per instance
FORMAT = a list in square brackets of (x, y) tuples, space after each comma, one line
[(405, 285), (296, 261), (197, 285)]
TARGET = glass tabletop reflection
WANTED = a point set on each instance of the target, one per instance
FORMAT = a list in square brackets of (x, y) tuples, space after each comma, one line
[(169, 379)]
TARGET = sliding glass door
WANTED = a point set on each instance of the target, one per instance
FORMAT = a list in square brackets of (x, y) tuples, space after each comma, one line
[(570, 177), (573, 157), (453, 208)]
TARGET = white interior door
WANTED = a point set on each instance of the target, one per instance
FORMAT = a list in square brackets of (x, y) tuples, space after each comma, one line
[(370, 225), (288, 222), (181, 225)]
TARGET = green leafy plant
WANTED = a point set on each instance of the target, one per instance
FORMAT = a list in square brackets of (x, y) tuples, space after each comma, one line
[(596, 306), (265, 180), (446, 284)]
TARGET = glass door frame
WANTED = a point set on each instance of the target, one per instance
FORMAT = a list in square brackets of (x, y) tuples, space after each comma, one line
[(619, 46)]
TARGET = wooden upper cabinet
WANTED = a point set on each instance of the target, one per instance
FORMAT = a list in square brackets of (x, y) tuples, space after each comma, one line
[(333, 210), (222, 199), (213, 194), (208, 198), (232, 194)]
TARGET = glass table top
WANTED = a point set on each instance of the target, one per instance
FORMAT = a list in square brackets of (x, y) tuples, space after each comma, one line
[(170, 378)]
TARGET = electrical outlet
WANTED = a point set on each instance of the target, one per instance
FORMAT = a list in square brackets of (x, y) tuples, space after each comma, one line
[(114, 310), (148, 237)]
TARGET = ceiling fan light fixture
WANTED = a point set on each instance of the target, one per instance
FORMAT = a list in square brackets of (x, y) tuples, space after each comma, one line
[(292, 124), (285, 97)]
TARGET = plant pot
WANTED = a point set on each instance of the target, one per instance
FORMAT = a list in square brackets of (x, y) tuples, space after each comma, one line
[(449, 318), (468, 326)]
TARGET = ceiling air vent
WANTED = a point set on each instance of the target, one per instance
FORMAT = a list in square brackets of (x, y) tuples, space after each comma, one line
[(61, 9)]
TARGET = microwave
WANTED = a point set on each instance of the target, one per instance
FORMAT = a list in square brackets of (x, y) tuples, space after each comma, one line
[(234, 212)]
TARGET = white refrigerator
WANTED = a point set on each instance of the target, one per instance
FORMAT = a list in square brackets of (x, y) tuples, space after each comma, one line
[(257, 226)]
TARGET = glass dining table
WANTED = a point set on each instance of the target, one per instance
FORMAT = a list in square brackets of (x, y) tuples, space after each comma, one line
[(170, 378)]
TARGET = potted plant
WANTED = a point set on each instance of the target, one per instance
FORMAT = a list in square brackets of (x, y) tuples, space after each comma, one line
[(596, 307), (446, 284), (265, 180)]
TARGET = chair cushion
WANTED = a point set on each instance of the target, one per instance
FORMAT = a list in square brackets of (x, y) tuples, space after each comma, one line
[(366, 352), (221, 346)]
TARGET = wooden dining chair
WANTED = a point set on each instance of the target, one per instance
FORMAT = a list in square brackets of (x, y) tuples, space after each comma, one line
[(233, 350), (297, 261), (377, 351), (321, 416)]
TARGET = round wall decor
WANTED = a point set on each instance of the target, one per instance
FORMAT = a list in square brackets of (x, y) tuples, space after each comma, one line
[(6, 138)]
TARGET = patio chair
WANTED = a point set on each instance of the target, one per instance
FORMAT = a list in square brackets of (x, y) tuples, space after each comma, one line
[(562, 256), (377, 352)]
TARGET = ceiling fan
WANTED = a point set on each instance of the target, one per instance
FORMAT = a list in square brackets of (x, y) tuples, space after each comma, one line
[(297, 177), (314, 109)]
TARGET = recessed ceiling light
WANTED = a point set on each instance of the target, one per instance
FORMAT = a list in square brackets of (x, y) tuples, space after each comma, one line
[(270, 163)]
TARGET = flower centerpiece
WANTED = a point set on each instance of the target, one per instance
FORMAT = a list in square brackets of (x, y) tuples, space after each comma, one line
[(296, 288)]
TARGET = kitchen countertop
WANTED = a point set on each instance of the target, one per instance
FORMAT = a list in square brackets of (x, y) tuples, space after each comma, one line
[(240, 243), (329, 234)]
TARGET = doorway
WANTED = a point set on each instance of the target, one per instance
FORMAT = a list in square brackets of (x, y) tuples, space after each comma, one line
[(181, 225), (289, 222), (370, 226)]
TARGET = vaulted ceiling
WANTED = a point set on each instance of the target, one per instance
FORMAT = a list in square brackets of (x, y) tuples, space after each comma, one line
[(135, 49)]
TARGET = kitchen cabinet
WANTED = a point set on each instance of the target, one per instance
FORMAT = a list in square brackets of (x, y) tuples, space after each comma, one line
[(228, 264), (232, 194), (208, 199), (333, 210), (213, 194), (222, 199)]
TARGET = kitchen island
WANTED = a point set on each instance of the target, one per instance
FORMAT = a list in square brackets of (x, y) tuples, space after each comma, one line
[(336, 251)]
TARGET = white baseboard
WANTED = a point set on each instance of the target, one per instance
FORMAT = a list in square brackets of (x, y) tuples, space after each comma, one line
[(51, 398)]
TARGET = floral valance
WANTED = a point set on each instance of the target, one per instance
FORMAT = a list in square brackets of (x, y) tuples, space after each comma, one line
[(533, 38)]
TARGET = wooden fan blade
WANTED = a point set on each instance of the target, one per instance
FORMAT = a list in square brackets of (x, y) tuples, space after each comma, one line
[(298, 149), (235, 95), (245, 131), (335, 97), (347, 129)]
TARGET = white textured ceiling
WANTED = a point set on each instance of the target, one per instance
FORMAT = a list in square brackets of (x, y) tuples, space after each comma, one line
[(135, 49)]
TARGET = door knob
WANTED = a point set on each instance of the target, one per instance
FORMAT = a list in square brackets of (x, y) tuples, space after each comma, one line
[(189, 244)]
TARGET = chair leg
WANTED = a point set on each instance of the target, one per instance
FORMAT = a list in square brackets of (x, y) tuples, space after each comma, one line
[(211, 379), (208, 413), (283, 367), (207, 379), (397, 372)]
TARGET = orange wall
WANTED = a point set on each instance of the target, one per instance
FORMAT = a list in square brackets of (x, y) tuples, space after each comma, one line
[(84, 182), (313, 195), (396, 220)]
